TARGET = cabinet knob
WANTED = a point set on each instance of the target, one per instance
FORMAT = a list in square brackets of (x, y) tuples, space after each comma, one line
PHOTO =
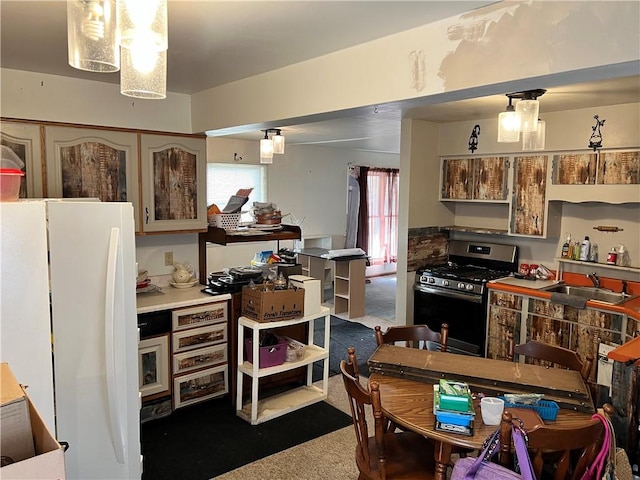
[(146, 211)]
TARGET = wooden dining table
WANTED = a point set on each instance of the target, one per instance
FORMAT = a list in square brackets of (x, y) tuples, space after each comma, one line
[(409, 403)]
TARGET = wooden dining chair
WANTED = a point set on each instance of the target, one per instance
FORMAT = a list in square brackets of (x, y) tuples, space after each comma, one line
[(382, 454), (550, 353), (562, 452), (413, 335)]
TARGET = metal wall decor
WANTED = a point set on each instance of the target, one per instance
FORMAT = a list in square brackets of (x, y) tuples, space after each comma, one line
[(473, 139), (595, 140)]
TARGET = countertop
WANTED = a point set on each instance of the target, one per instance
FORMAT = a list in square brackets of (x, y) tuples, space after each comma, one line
[(171, 298), (535, 289)]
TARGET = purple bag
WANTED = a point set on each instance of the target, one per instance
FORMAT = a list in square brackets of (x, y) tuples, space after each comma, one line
[(481, 468)]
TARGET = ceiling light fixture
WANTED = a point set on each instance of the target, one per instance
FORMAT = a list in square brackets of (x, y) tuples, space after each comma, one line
[(278, 143), (92, 35), (523, 118), (126, 35), (269, 146), (266, 148), (535, 140), (508, 124)]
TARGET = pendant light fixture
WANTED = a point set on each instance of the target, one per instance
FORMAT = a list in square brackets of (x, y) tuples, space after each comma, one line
[(266, 148), (508, 124), (143, 73), (535, 140), (269, 146), (126, 35), (523, 118), (143, 22), (278, 143), (92, 35)]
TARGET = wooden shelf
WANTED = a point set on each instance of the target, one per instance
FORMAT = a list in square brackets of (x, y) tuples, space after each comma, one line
[(598, 265), (486, 231), (222, 237)]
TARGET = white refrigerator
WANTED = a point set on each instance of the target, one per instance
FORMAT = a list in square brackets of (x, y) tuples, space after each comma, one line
[(69, 327)]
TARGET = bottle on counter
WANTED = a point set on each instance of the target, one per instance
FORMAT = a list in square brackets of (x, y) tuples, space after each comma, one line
[(593, 252), (622, 259), (585, 249), (566, 247), (576, 250), (612, 256)]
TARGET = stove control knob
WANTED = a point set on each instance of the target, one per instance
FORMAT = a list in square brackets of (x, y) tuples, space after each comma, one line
[(469, 287), (461, 286), (432, 280), (445, 283)]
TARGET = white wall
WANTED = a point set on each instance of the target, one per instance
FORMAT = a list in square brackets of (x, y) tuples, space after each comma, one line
[(307, 182), (38, 96)]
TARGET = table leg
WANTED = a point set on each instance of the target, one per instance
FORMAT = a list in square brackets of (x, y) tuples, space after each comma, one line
[(442, 455)]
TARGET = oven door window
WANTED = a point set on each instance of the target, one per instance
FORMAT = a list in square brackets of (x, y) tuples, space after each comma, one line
[(466, 318)]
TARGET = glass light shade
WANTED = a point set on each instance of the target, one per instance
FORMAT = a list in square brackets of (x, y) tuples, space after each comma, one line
[(535, 140), (266, 150), (143, 73), (528, 111), (92, 35), (278, 144), (143, 20), (508, 127)]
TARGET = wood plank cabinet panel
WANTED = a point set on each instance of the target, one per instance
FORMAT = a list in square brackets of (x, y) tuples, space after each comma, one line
[(529, 203), (24, 140), (619, 168), (482, 179), (609, 176), (173, 176), (504, 316), (88, 163)]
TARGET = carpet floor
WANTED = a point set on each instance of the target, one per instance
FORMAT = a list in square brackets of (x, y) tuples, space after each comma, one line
[(208, 439), (345, 334)]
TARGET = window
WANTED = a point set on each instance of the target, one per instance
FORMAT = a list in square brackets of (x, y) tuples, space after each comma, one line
[(224, 180)]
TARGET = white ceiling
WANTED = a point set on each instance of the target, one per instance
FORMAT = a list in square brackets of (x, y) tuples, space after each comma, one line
[(215, 42)]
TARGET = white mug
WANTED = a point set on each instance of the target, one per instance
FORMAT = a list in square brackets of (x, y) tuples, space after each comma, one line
[(491, 408)]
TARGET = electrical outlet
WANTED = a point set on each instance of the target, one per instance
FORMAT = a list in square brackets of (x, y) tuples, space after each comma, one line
[(168, 259)]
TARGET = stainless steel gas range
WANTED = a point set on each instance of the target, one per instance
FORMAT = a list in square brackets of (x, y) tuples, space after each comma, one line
[(455, 293)]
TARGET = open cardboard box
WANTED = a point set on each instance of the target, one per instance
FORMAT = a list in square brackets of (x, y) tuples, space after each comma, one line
[(47, 461)]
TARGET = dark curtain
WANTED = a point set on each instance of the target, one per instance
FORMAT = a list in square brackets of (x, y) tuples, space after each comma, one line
[(362, 239)]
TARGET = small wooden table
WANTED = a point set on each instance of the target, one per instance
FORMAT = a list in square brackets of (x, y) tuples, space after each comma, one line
[(409, 403)]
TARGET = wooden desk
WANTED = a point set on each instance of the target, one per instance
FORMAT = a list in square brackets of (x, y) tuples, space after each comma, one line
[(410, 405)]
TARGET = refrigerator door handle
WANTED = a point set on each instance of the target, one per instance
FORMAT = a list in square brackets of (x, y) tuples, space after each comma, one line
[(110, 357)]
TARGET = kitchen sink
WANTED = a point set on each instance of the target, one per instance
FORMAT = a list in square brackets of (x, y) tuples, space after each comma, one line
[(591, 293)]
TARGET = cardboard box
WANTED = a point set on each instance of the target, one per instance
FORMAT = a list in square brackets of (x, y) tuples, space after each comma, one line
[(47, 459), (267, 305), (312, 292), (16, 441)]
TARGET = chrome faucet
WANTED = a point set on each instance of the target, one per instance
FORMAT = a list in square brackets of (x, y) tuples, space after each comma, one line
[(594, 278)]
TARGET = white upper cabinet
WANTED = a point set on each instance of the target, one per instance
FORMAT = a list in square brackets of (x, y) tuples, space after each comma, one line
[(173, 176), (92, 163)]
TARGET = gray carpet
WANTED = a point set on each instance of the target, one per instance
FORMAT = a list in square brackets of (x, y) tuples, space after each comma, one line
[(380, 297)]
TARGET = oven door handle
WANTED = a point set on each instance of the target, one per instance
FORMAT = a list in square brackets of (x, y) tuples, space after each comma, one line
[(450, 294)]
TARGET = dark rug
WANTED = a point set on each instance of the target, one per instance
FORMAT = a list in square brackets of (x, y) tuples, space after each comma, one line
[(205, 440), (345, 334)]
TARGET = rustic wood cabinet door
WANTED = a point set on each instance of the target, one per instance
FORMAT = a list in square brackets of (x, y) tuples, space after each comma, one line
[(88, 163), (482, 179), (173, 173), (24, 140), (529, 202)]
